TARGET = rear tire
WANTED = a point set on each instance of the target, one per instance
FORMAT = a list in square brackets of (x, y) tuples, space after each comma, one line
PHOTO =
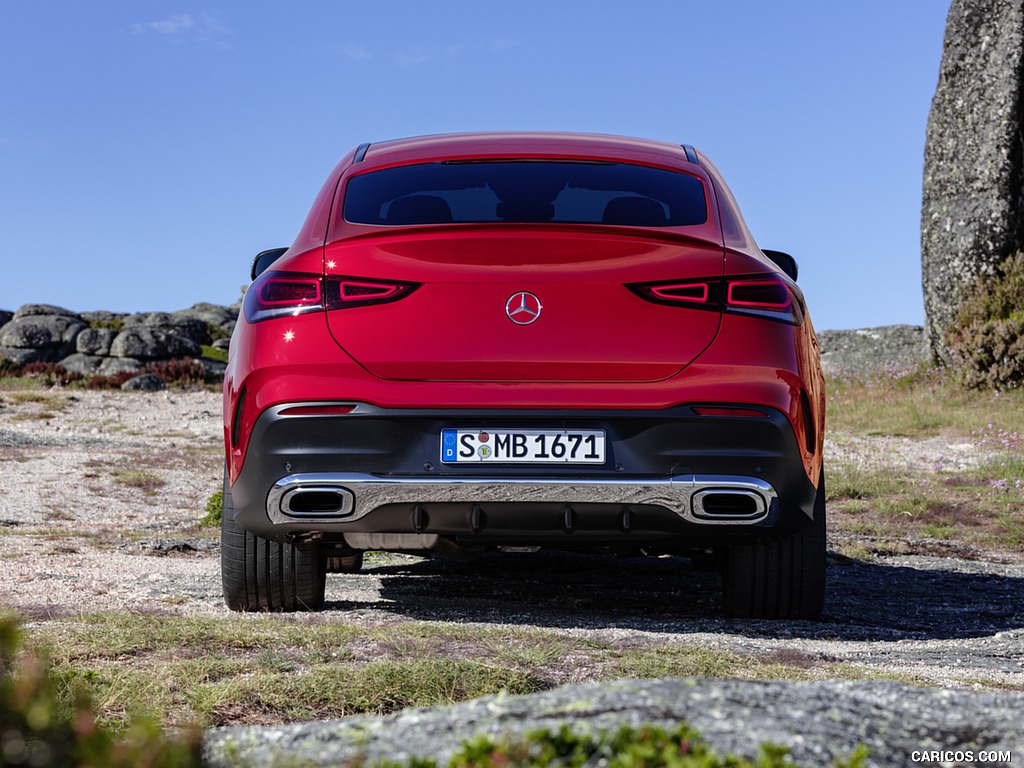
[(263, 575), (779, 578)]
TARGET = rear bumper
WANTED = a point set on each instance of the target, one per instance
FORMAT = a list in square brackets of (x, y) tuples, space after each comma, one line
[(669, 475)]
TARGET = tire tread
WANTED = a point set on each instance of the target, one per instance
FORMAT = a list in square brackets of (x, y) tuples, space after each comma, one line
[(258, 574), (779, 578)]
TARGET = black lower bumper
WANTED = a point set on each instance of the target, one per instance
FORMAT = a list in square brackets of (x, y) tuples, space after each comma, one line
[(676, 476)]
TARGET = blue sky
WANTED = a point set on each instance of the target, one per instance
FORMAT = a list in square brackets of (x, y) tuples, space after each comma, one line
[(149, 150)]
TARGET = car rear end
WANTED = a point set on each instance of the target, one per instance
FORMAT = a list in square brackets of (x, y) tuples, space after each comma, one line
[(509, 341)]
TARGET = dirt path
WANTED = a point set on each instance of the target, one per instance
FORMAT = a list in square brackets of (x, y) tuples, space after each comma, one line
[(99, 495)]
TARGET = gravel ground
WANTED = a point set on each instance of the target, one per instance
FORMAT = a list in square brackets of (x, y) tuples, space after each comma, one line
[(100, 492), (92, 485)]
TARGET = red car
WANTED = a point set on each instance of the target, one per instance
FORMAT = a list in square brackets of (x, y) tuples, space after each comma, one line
[(482, 341)]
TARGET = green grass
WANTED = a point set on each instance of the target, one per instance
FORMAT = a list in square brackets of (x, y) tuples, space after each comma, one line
[(248, 670), (215, 353), (978, 507), (34, 405), (14, 383), (921, 403), (48, 714), (137, 478), (197, 671)]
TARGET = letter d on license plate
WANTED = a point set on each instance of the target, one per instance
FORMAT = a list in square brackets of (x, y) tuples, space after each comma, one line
[(532, 446)]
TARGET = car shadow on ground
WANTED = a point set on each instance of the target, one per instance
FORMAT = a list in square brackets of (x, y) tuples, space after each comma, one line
[(865, 601)]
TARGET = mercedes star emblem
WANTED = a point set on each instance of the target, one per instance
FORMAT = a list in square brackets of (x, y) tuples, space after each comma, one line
[(523, 308)]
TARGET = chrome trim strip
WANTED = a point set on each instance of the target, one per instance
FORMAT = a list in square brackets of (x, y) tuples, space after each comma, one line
[(370, 492)]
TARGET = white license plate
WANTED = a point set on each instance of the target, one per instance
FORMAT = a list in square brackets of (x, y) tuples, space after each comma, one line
[(531, 446)]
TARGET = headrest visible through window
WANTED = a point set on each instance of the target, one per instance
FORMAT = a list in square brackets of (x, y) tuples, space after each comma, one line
[(419, 209), (634, 211)]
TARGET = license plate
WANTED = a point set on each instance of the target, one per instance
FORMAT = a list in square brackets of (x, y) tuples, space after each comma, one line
[(528, 446)]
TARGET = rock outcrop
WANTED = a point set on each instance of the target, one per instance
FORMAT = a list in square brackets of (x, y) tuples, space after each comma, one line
[(111, 344), (40, 332), (820, 722), (894, 347), (972, 214)]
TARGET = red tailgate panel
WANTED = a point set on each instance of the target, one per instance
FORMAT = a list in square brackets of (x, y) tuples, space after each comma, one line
[(455, 326)]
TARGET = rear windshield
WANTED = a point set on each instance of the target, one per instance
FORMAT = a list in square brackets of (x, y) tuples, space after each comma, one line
[(526, 191)]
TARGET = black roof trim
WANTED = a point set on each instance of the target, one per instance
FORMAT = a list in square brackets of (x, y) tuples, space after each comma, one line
[(361, 152), (691, 153)]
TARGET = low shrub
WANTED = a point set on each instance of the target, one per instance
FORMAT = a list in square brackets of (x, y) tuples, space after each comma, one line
[(46, 721), (184, 372), (214, 332), (9, 368), (116, 324), (986, 340), (642, 747), (50, 374), (113, 381), (212, 516)]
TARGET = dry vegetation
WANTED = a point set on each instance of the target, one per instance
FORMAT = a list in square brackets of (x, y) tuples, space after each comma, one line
[(968, 497)]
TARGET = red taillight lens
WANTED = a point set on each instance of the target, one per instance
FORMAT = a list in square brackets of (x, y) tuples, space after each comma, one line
[(344, 292), (290, 292), (766, 296), (769, 297), (695, 294), (684, 292), (280, 294)]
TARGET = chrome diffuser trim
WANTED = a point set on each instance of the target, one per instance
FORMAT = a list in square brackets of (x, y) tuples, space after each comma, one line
[(369, 492)]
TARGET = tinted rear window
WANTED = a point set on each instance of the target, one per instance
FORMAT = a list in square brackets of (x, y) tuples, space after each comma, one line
[(531, 191)]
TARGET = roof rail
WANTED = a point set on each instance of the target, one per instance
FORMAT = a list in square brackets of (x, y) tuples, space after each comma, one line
[(691, 153)]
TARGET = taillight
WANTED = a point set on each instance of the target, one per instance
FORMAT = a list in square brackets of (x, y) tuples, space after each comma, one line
[(281, 294), (769, 297), (695, 294), (766, 296), (345, 292), (681, 292)]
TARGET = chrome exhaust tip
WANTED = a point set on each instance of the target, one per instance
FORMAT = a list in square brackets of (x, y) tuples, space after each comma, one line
[(312, 502), (729, 505)]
